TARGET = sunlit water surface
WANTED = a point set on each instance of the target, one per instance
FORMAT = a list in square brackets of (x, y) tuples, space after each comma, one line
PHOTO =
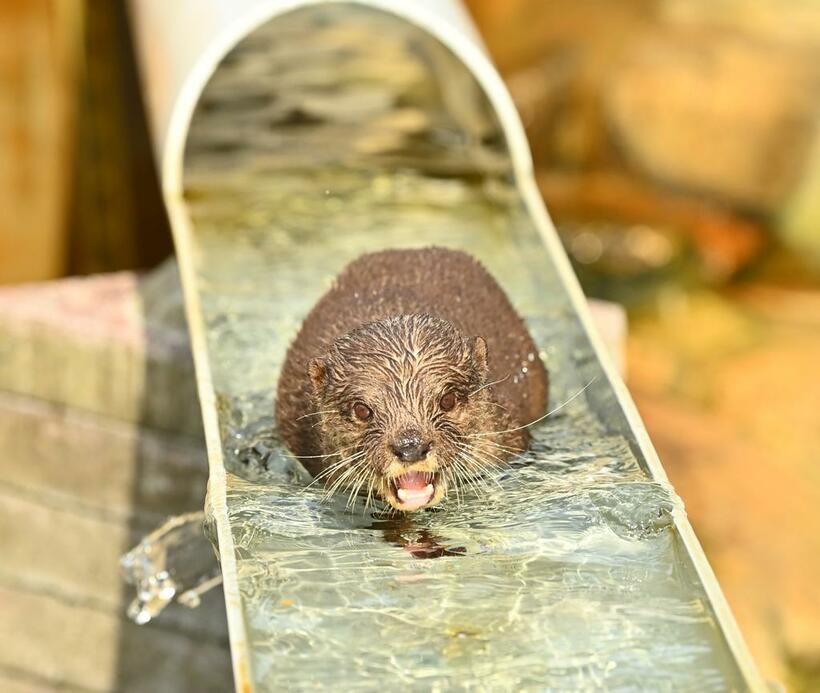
[(333, 133)]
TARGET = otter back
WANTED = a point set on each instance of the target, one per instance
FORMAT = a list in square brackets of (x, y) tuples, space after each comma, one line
[(447, 284)]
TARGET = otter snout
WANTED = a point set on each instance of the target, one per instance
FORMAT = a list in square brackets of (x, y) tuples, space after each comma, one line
[(410, 446)]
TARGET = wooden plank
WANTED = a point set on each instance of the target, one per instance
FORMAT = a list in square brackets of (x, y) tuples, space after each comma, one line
[(39, 50)]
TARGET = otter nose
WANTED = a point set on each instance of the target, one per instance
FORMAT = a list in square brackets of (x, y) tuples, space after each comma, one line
[(411, 447)]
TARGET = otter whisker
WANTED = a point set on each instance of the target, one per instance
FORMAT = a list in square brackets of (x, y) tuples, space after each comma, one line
[(321, 476), (324, 474), (451, 483), (463, 465), (316, 457), (334, 467), (370, 482), (480, 474), (485, 468), (332, 490), (487, 465), (486, 385), (487, 455), (366, 483), (314, 413), (472, 449), (469, 476), (337, 464), (504, 448), (540, 418), (345, 476), (482, 479), (490, 471), (458, 474), (453, 475), (342, 461), (351, 470), (497, 463), (356, 485)]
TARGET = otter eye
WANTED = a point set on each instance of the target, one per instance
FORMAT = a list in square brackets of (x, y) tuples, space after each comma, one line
[(447, 401), (361, 411)]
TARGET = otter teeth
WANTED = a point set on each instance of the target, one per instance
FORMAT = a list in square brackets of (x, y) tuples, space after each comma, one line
[(414, 489), (409, 495)]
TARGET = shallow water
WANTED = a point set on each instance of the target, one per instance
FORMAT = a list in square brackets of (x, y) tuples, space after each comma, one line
[(320, 140)]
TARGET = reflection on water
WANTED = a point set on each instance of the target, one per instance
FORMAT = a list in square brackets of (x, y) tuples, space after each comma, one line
[(321, 139)]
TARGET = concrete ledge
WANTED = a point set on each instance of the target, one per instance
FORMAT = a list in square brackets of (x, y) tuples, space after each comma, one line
[(111, 467), (113, 344), (76, 647)]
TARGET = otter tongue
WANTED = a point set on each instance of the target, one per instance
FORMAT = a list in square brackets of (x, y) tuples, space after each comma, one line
[(413, 481), (414, 490)]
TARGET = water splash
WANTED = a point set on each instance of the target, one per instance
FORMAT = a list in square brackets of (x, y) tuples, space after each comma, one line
[(175, 561)]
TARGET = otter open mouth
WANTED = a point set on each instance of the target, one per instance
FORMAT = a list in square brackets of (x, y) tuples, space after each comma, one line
[(413, 490)]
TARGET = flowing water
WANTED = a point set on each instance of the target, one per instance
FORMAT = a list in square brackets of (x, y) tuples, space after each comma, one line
[(334, 132)]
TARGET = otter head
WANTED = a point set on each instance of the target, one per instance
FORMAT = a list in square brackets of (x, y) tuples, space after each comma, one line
[(402, 402)]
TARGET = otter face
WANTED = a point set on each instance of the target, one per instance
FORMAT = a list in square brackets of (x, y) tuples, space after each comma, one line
[(402, 402)]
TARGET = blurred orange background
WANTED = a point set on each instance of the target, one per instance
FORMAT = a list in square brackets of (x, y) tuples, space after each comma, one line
[(677, 145)]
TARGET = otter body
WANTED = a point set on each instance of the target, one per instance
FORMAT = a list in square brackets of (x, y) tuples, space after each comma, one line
[(407, 376)]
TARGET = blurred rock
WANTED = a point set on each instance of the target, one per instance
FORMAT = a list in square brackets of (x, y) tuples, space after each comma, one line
[(714, 99), (627, 240), (715, 112), (625, 263), (519, 33), (787, 22), (557, 57)]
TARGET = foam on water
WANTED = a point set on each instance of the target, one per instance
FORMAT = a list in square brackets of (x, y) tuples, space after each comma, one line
[(334, 132)]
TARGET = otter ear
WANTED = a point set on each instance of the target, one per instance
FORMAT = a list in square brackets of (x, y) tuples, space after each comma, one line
[(318, 375), (478, 351)]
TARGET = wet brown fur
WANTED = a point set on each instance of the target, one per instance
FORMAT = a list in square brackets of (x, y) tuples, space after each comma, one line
[(398, 329)]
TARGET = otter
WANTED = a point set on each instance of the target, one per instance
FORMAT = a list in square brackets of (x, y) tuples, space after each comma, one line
[(411, 375)]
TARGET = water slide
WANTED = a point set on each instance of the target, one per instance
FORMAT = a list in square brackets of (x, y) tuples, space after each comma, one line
[(292, 136)]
